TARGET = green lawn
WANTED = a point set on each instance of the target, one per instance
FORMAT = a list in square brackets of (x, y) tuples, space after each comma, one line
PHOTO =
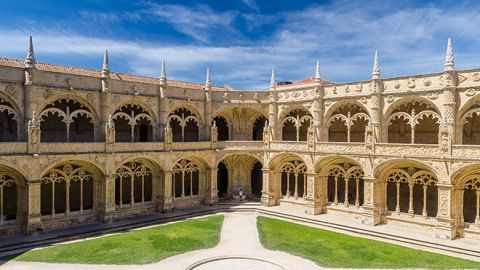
[(330, 249), (135, 247)]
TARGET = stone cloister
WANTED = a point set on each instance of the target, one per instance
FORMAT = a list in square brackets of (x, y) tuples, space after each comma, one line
[(79, 145)]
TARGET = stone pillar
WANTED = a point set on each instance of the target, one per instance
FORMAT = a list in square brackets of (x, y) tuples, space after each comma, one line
[(313, 204), (318, 112), (33, 136), (106, 205), (376, 109), (105, 106), (32, 222), (166, 199), (371, 204), (211, 196), (162, 113), (449, 107), (446, 228), (268, 192), (272, 115)]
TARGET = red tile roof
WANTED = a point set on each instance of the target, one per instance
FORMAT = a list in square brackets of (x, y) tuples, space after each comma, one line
[(8, 62)]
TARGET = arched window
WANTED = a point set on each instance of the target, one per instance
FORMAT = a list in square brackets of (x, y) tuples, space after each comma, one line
[(414, 122), (66, 120), (132, 124), (471, 200), (412, 191), (66, 189), (8, 122), (257, 179), (295, 125), (345, 185), (186, 179), (470, 122), (222, 179), (184, 125), (347, 124), (133, 184), (293, 179), (222, 127), (8, 198), (258, 128)]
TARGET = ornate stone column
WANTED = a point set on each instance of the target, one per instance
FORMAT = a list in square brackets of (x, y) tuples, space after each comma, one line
[(162, 103), (371, 204), (166, 197), (446, 227), (105, 96), (268, 192), (211, 195), (107, 199), (32, 222), (313, 203)]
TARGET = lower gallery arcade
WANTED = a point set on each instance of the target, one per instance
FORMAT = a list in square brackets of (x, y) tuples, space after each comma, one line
[(77, 191)]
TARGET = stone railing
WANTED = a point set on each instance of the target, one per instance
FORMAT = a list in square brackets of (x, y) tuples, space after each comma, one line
[(191, 145), (13, 147), (240, 145), (139, 146), (470, 152), (76, 147)]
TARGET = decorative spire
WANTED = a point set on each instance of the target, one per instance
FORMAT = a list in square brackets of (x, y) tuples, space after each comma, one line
[(376, 67), (163, 76), (106, 65), (317, 73), (449, 60), (273, 84), (30, 60), (208, 81)]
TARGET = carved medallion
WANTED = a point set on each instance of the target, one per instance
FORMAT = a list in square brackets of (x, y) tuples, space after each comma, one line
[(471, 92)]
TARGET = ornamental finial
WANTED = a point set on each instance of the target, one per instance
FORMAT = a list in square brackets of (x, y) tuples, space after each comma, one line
[(317, 73), (106, 64), (163, 76), (30, 60), (376, 67), (449, 59), (208, 81), (273, 84)]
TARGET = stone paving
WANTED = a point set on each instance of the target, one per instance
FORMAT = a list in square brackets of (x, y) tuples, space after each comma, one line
[(239, 248)]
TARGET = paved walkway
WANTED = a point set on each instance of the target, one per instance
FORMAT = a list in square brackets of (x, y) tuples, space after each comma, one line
[(239, 248)]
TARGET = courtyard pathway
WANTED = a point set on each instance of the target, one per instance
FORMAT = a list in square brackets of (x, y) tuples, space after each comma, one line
[(239, 248)]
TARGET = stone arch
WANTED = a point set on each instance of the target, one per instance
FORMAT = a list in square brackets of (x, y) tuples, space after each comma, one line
[(240, 120), (286, 156), (412, 120), (68, 118), (258, 126), (135, 182), (344, 180), (71, 96), (134, 122), (468, 122), (10, 119), (189, 107), (409, 187), (346, 121), (466, 184), (139, 103), (188, 178), (223, 127), (70, 186), (185, 125), (294, 122), (11, 188), (242, 173)]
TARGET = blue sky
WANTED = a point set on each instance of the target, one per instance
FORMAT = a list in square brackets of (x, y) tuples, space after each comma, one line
[(241, 40)]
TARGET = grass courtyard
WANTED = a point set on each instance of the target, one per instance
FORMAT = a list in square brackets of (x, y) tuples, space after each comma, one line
[(330, 249), (135, 247)]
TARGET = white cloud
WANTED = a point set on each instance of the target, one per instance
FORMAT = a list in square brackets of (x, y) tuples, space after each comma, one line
[(342, 35), (199, 22), (251, 4)]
